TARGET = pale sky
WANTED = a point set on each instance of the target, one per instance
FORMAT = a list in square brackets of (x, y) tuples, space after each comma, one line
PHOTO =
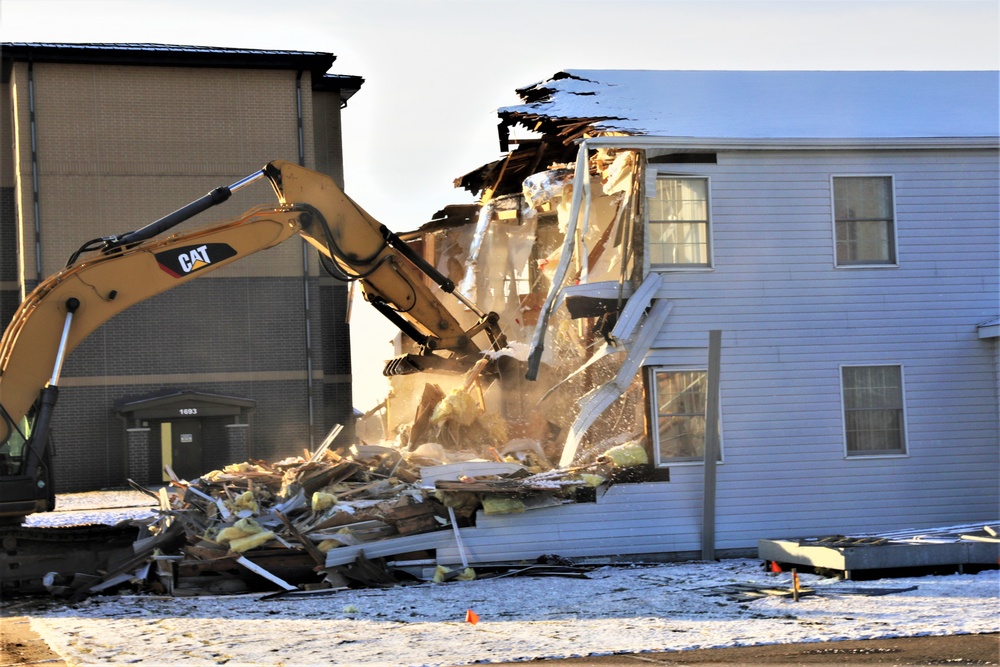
[(436, 70)]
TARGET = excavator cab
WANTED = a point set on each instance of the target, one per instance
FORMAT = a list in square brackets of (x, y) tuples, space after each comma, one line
[(21, 492), (12, 451)]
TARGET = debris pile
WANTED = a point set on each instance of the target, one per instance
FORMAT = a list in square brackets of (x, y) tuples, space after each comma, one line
[(367, 515)]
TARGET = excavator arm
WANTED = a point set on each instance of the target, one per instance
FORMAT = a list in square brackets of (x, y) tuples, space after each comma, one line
[(391, 275), (120, 271)]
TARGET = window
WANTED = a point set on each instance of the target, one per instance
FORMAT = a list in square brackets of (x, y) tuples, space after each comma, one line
[(873, 410), (863, 220), (680, 399), (678, 222)]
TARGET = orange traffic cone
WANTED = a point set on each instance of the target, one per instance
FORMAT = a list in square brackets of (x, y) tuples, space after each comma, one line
[(471, 617), (775, 568)]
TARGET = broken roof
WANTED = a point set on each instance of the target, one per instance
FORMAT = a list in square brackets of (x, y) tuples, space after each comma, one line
[(768, 104)]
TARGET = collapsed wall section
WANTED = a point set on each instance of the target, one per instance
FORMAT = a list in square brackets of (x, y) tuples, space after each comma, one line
[(506, 261)]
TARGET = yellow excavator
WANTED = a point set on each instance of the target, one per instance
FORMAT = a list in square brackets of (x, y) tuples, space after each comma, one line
[(107, 275)]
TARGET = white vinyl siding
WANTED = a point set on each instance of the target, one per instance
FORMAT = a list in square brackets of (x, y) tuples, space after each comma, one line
[(791, 320)]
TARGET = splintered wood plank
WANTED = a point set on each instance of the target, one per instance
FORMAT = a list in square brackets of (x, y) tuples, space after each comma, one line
[(428, 401)]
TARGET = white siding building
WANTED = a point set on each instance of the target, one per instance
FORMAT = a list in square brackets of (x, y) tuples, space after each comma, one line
[(842, 231)]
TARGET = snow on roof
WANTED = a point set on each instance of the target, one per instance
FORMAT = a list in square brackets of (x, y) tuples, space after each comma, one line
[(773, 104)]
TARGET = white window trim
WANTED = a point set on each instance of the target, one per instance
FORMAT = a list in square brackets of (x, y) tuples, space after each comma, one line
[(652, 176), (895, 224), (655, 412), (848, 456)]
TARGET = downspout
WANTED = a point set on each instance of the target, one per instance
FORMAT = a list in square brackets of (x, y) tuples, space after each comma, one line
[(306, 315), (34, 175)]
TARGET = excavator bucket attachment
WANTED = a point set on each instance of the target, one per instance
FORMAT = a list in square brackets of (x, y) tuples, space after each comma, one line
[(409, 364)]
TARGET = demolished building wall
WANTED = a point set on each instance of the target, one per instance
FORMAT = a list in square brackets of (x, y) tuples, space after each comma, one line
[(506, 262)]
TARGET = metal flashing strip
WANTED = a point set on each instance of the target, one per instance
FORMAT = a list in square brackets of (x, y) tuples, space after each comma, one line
[(538, 339), (597, 401), (636, 307)]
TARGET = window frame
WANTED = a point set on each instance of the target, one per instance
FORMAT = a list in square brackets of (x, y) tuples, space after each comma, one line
[(709, 265), (893, 262), (904, 450), (654, 413)]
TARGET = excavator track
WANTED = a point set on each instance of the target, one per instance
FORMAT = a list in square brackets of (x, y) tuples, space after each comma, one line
[(28, 554)]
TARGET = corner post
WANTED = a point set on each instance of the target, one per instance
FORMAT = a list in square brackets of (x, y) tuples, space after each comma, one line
[(711, 444)]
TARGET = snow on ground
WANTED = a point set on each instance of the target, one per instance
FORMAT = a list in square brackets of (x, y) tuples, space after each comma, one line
[(626, 609), (107, 507)]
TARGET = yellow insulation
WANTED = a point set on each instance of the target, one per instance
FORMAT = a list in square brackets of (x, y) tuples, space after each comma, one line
[(249, 542), (240, 529), (459, 406), (628, 455)]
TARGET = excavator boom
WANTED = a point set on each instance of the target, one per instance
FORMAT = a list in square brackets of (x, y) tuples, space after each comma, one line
[(69, 305)]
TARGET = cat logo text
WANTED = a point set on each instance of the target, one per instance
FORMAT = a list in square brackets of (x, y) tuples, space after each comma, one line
[(185, 260)]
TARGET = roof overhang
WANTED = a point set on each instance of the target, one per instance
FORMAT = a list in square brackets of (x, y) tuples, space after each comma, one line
[(165, 55), (344, 84), (186, 403), (694, 144)]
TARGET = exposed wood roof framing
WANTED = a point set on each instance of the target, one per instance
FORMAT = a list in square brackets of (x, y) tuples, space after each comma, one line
[(555, 146), (453, 215), (530, 156)]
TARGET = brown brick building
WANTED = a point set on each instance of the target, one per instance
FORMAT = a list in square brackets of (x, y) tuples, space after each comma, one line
[(100, 139)]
